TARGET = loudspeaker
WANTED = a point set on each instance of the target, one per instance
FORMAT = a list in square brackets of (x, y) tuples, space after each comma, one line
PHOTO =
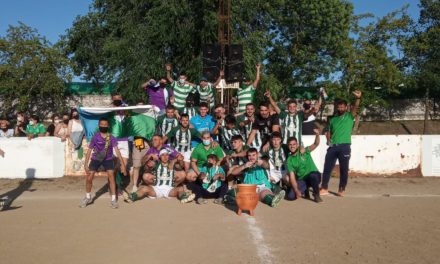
[(234, 52), (211, 73), (211, 62), (234, 63), (234, 71)]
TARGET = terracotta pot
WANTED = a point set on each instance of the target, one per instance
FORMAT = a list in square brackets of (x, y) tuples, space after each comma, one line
[(247, 198)]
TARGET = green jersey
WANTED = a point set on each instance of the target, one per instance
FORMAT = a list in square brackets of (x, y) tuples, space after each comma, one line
[(208, 183), (206, 93), (277, 158), (39, 129), (180, 93), (301, 164), (163, 175), (341, 128), (165, 124), (247, 129), (181, 139), (190, 111), (291, 126), (200, 153), (238, 160), (226, 137), (257, 175), (245, 96)]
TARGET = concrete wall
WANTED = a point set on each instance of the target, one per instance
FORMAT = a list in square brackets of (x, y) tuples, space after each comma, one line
[(411, 155), (38, 158)]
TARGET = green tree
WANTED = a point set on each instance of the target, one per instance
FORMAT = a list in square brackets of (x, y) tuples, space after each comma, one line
[(371, 59), (307, 40), (130, 41), (423, 54), (32, 73)]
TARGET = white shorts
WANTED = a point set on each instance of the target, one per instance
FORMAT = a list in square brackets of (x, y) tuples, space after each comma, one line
[(162, 191), (187, 156), (123, 148)]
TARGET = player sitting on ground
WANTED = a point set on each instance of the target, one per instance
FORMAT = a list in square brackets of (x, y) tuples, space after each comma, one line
[(212, 179), (255, 172), (167, 182)]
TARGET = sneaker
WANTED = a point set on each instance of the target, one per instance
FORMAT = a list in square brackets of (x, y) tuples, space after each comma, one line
[(317, 198), (187, 197), (201, 201), (229, 200), (323, 192), (5, 202), (84, 202), (218, 201), (127, 197), (277, 198), (114, 204)]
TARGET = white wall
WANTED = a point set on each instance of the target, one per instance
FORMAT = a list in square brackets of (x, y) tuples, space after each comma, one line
[(37, 158), (411, 155)]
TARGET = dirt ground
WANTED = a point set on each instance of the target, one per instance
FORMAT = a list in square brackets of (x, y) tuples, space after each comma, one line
[(381, 220)]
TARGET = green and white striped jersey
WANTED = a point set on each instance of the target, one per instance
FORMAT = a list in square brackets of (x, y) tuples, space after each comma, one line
[(180, 93), (205, 93), (181, 139), (226, 136), (190, 111), (238, 160), (166, 124), (247, 129), (245, 96), (163, 175), (291, 126), (277, 158)]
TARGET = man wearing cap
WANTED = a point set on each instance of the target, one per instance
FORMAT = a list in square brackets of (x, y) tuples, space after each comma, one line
[(167, 181), (158, 94), (246, 92), (206, 90)]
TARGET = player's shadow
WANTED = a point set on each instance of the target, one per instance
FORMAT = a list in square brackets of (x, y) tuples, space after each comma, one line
[(104, 189), (232, 207), (24, 185)]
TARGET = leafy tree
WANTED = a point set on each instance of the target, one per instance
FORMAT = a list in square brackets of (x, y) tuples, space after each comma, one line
[(423, 54), (370, 62), (308, 39), (130, 41), (32, 73)]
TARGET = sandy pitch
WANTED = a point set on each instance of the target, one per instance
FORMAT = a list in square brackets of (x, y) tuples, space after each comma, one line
[(380, 220)]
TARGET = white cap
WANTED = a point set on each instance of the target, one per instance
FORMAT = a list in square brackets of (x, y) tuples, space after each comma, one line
[(163, 151)]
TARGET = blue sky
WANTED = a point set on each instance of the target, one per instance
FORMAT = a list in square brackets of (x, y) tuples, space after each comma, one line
[(52, 17)]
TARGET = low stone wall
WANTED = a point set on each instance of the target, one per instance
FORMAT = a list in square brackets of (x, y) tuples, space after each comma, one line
[(387, 155)]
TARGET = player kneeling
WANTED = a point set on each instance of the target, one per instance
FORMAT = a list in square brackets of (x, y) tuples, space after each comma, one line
[(168, 178)]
